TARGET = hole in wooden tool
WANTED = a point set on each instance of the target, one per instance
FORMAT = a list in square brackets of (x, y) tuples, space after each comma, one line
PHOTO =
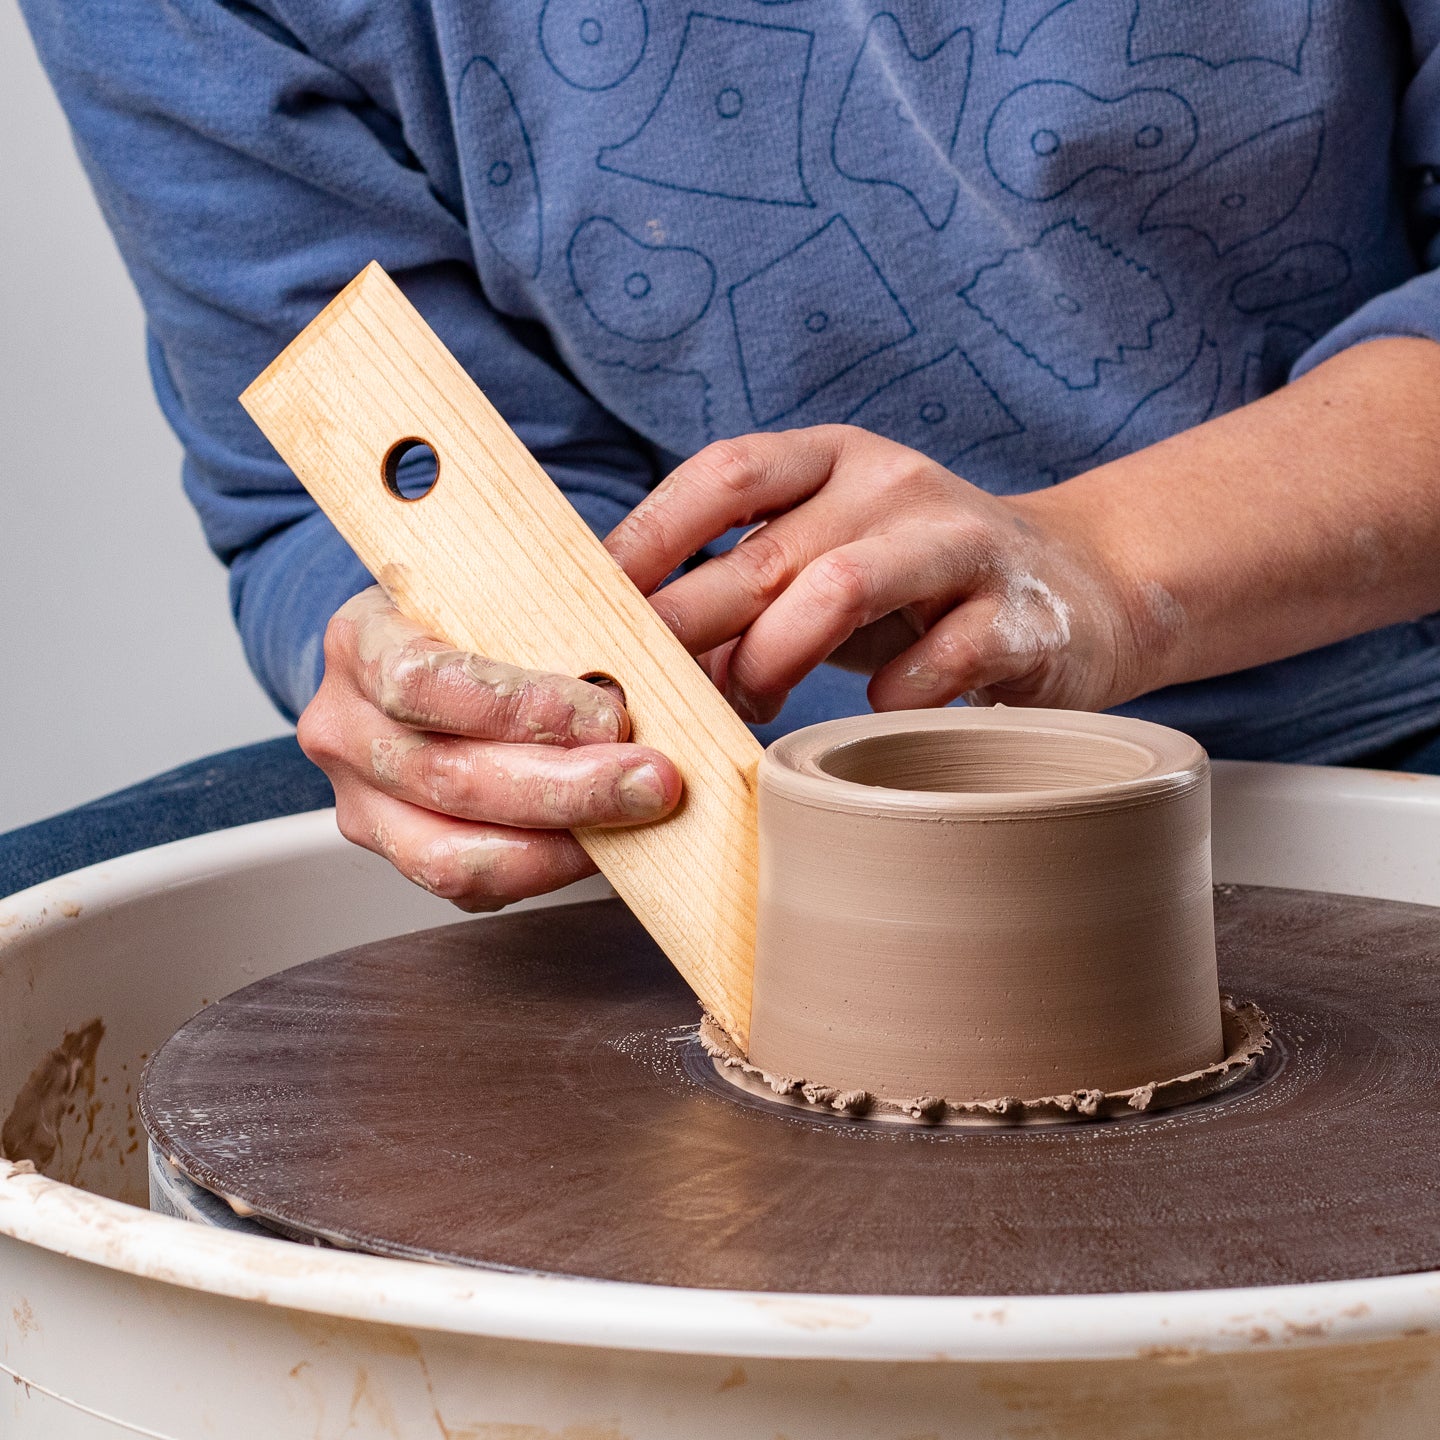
[(986, 761), (606, 682), (411, 468)]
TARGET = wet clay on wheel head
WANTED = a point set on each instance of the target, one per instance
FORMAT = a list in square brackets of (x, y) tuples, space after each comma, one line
[(985, 905)]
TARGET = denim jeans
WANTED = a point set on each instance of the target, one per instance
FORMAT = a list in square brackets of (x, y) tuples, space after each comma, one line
[(255, 782), (274, 778)]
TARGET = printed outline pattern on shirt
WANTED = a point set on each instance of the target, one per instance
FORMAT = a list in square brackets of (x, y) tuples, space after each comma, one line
[(1051, 128), (678, 372), (1332, 269), (652, 323), (1206, 354), (918, 146), (1190, 12), (730, 104), (1023, 15), (503, 169), (863, 272), (1252, 376), (1120, 349), (1012, 424), (1248, 162), (593, 38)]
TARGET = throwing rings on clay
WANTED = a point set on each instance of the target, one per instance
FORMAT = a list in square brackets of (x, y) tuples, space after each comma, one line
[(988, 910)]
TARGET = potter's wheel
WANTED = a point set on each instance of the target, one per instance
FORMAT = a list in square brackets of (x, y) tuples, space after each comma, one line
[(526, 1093)]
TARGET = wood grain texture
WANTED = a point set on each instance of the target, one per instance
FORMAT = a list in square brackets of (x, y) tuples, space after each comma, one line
[(495, 560)]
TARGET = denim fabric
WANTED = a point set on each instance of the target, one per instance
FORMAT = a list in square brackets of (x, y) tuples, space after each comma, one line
[(255, 782), (1419, 755)]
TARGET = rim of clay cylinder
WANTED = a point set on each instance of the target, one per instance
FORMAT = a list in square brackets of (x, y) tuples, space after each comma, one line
[(1093, 761)]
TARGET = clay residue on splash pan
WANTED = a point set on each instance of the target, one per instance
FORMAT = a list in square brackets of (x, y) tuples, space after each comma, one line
[(32, 1128), (1247, 1037)]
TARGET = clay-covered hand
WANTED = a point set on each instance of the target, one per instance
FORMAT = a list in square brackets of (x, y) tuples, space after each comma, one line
[(467, 773), (873, 556)]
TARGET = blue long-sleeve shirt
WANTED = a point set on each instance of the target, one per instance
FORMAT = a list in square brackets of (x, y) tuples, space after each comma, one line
[(1022, 236)]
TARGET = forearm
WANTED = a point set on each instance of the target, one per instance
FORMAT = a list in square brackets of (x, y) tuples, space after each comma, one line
[(1299, 520)]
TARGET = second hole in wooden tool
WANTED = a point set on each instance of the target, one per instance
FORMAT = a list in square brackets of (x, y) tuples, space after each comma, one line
[(605, 682), (411, 468)]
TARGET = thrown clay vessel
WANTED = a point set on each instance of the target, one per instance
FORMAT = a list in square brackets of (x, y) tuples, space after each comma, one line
[(972, 904)]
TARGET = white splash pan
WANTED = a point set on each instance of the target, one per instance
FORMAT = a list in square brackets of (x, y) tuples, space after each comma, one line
[(117, 1322)]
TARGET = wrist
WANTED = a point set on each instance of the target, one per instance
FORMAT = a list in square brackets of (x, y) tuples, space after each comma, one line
[(1134, 617)]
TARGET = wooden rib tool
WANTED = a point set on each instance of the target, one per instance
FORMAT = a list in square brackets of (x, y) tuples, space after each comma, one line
[(494, 559)]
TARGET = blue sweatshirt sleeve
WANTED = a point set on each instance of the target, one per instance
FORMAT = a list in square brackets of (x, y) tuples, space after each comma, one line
[(1411, 309), (246, 182)]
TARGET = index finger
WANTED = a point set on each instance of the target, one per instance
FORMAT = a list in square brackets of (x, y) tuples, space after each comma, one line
[(730, 483), (422, 682)]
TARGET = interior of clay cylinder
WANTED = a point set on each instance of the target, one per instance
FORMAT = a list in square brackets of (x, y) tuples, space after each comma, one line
[(982, 905), (985, 761)]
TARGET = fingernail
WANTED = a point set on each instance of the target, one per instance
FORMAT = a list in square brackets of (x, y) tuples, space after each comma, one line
[(597, 724), (641, 791), (742, 703)]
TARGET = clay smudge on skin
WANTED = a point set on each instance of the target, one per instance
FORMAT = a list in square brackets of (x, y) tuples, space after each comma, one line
[(1166, 614), (397, 647), (1033, 619), (1248, 1034), (385, 841), (388, 753), (584, 713), (475, 858), (1368, 557), (32, 1129), (562, 785), (922, 678)]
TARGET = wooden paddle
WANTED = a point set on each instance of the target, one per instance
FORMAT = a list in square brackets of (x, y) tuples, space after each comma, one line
[(494, 559)]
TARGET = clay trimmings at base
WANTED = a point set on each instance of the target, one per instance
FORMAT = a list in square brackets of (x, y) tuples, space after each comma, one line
[(1247, 1037)]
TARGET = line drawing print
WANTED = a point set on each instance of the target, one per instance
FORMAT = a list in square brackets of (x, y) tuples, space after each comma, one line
[(1245, 191), (899, 116), (1186, 399), (593, 44), (809, 317), (1275, 34), (729, 121), (1070, 302), (672, 408), (640, 292), (1046, 136), (1020, 19), (504, 203), (944, 408), (1299, 272)]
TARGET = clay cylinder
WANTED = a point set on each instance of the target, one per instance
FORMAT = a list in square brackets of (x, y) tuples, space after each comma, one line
[(984, 903)]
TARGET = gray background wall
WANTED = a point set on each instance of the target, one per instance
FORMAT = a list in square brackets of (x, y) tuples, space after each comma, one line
[(117, 656)]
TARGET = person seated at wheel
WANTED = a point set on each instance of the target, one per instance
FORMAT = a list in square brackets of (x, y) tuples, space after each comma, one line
[(1078, 354)]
